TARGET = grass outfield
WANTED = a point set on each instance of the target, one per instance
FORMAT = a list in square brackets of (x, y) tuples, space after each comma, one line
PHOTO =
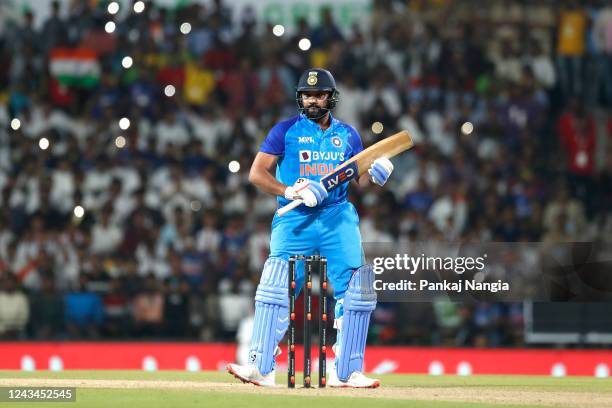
[(174, 389)]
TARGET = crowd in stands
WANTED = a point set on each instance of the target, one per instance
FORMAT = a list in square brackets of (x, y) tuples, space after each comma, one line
[(144, 232)]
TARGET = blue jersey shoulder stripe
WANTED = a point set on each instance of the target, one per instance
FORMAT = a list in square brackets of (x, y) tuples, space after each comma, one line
[(274, 143)]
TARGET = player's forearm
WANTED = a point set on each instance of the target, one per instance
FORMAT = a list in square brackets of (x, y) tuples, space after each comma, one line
[(267, 183)]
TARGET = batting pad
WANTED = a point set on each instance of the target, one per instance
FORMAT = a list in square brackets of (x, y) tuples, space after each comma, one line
[(271, 314), (359, 302)]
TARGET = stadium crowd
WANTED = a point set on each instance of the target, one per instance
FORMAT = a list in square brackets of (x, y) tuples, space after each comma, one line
[(144, 231)]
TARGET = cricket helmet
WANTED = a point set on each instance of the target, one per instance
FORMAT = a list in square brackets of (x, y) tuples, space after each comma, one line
[(317, 80)]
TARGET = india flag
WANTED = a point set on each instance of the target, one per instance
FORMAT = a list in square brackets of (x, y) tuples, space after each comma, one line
[(75, 67)]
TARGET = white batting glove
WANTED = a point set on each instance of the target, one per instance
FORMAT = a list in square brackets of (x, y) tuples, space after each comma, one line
[(380, 170), (311, 192)]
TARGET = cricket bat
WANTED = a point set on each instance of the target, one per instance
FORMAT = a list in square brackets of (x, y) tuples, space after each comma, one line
[(359, 164)]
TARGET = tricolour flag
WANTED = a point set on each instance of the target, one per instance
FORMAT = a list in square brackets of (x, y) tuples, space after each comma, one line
[(75, 67)]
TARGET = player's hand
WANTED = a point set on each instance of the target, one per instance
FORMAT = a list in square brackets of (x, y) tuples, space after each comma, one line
[(311, 192), (380, 170)]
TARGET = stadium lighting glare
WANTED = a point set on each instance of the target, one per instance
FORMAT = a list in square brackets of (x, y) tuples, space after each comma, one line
[(234, 166), (120, 142), (304, 44), (467, 128), (109, 27), (15, 124), (79, 211), (278, 30), (169, 91), (113, 7), (127, 62), (195, 206), (139, 7), (185, 28), (43, 143), (377, 128), (124, 123)]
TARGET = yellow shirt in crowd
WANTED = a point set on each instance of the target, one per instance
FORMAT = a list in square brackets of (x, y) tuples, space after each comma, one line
[(572, 30)]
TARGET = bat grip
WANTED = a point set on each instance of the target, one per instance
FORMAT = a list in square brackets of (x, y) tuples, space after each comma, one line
[(284, 210)]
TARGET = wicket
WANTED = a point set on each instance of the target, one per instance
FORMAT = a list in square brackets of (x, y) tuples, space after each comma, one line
[(311, 263)]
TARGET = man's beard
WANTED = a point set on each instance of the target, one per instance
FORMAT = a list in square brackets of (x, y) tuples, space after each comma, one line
[(314, 112)]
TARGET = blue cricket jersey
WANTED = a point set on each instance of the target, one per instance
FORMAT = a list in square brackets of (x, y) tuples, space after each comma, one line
[(304, 150)]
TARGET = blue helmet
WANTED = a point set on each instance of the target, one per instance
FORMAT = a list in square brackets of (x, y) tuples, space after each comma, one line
[(321, 80)]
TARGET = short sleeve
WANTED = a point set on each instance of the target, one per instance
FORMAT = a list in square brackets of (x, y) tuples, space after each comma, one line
[(355, 141), (274, 143)]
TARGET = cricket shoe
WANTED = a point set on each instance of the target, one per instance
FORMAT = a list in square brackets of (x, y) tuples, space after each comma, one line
[(250, 374), (356, 380)]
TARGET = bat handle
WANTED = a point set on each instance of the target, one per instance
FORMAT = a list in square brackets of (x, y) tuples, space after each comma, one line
[(284, 210)]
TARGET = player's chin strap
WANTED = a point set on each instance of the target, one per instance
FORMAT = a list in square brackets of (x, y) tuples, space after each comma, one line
[(353, 318)]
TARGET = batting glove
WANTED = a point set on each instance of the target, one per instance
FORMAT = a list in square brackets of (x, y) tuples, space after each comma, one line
[(311, 192), (380, 170)]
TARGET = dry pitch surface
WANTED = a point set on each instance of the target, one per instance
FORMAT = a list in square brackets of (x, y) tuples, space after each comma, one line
[(136, 389)]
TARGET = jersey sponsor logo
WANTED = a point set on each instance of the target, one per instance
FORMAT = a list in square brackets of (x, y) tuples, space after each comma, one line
[(310, 155), (305, 139), (316, 169), (334, 179)]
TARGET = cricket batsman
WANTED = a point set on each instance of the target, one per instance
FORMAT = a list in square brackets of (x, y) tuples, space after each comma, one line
[(292, 159)]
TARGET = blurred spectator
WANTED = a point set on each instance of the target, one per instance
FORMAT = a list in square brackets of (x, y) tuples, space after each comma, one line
[(449, 212), (602, 38), (448, 319), (192, 263), (578, 139), (564, 219), (420, 199), (116, 309), (259, 245), (177, 288), (327, 31), (148, 309), (14, 309), (98, 277), (47, 320), (235, 302), (105, 235), (350, 106), (54, 29), (417, 325), (84, 311), (541, 65), (508, 64), (170, 131), (577, 136), (204, 312), (571, 41)]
